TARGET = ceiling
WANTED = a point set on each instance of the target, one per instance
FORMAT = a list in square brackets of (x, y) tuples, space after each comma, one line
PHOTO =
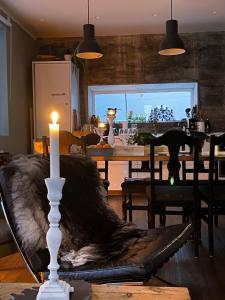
[(64, 18)]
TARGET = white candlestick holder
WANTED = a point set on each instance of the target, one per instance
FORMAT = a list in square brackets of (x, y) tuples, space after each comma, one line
[(111, 138), (54, 288)]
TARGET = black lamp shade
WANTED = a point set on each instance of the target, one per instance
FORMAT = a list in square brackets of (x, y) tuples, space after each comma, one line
[(172, 43), (88, 48)]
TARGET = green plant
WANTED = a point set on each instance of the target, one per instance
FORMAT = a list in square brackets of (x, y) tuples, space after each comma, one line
[(135, 118), (77, 62)]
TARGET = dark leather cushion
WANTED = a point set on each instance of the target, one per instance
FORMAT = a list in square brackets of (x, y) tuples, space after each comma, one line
[(173, 194), (135, 185), (136, 180), (139, 262), (218, 192)]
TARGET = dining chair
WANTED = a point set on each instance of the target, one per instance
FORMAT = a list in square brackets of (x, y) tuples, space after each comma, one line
[(66, 140), (213, 193), (136, 186), (132, 186), (175, 192), (89, 139), (94, 139), (88, 221), (201, 165)]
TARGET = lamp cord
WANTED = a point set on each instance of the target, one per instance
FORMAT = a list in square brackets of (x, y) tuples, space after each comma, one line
[(171, 12), (88, 11)]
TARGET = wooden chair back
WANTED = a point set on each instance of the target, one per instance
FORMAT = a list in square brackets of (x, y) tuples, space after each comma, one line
[(183, 193), (214, 196), (174, 140), (45, 146), (89, 139), (214, 141), (201, 166), (66, 140)]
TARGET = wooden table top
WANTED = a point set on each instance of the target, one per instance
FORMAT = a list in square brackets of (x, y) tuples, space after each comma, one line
[(158, 157), (83, 290)]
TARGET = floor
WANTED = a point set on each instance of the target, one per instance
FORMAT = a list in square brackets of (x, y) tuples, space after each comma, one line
[(205, 277)]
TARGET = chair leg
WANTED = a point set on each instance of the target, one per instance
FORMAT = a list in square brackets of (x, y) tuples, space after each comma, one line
[(160, 170), (196, 250), (130, 208), (210, 231), (196, 216), (162, 216), (151, 215), (216, 218), (216, 171), (151, 220), (183, 170), (184, 215), (164, 220), (124, 207), (188, 215)]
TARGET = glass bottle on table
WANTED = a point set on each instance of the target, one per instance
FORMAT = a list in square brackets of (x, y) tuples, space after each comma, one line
[(207, 126), (123, 136)]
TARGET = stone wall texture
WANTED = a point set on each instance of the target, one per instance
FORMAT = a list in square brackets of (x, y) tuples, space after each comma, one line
[(135, 59)]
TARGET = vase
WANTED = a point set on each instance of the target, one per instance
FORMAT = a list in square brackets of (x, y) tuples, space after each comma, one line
[(67, 57)]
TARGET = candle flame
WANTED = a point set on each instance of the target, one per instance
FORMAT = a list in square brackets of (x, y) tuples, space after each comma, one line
[(55, 117), (101, 125)]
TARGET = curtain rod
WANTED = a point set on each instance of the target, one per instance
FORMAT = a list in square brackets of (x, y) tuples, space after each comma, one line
[(5, 20)]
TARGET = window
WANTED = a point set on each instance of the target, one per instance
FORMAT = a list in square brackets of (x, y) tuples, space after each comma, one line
[(4, 126), (143, 102)]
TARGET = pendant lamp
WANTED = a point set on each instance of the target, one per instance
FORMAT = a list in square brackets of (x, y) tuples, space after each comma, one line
[(88, 48), (172, 43)]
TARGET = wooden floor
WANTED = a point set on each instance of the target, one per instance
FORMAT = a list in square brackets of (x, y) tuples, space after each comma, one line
[(204, 277)]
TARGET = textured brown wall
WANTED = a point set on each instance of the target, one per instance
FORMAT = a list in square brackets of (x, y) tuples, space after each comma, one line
[(135, 59)]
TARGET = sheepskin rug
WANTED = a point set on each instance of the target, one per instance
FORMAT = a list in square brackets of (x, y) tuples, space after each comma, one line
[(91, 229)]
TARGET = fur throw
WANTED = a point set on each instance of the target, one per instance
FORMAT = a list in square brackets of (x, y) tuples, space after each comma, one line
[(91, 229)]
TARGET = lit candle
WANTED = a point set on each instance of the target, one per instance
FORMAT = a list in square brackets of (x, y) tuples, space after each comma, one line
[(101, 125), (54, 146), (111, 112)]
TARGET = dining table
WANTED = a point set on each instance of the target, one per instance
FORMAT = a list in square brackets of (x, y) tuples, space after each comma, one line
[(134, 154)]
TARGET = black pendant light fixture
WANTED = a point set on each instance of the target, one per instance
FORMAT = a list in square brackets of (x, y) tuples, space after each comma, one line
[(172, 43), (88, 48)]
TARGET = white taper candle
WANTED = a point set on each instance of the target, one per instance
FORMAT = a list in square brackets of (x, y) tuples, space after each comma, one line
[(54, 146)]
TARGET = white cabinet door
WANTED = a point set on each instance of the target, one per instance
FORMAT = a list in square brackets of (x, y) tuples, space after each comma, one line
[(52, 91)]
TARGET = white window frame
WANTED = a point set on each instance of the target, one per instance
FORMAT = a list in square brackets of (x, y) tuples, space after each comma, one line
[(93, 90)]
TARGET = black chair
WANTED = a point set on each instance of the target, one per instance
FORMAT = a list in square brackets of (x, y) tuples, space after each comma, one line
[(94, 139), (201, 167), (164, 195), (132, 186), (213, 193), (137, 263)]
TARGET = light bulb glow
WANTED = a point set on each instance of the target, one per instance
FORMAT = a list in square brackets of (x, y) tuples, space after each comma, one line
[(55, 117), (101, 125), (111, 112)]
